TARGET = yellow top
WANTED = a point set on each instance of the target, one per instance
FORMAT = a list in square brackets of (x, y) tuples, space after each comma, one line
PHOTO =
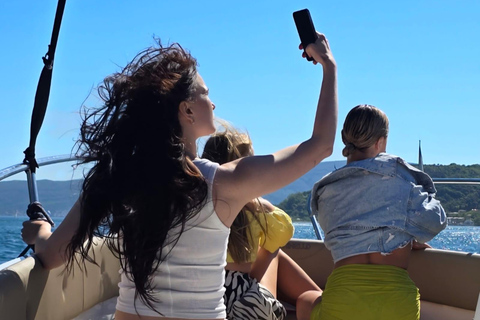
[(279, 229)]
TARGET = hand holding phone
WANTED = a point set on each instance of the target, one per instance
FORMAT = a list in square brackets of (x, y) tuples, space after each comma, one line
[(305, 29)]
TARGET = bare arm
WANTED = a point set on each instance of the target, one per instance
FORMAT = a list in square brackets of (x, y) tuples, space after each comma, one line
[(239, 181), (50, 247), (260, 269)]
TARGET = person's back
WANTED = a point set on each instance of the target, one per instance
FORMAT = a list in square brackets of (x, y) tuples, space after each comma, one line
[(181, 287), (371, 211), (383, 206)]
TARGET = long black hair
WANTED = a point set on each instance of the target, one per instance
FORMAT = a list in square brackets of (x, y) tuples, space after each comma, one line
[(141, 184)]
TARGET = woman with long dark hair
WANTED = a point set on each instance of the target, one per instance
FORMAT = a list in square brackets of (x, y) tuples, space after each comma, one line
[(167, 213)]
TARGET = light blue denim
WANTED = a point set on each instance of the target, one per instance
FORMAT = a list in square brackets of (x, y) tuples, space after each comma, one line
[(376, 205)]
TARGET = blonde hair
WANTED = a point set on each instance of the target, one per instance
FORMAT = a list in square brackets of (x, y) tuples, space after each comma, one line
[(363, 126), (222, 147), (228, 145)]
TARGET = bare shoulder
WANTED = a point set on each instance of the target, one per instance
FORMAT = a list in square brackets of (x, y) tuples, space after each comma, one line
[(226, 194)]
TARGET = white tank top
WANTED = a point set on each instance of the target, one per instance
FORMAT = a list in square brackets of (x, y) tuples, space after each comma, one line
[(189, 283)]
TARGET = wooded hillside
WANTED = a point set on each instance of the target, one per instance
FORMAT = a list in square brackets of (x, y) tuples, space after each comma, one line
[(453, 197), (58, 196)]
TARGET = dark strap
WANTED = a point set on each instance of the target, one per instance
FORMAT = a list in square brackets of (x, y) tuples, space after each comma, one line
[(36, 211), (43, 90)]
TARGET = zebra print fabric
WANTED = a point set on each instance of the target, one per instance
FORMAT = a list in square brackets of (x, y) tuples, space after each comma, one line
[(246, 299)]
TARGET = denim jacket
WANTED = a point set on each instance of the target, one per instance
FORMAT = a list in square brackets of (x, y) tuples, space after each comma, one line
[(376, 205)]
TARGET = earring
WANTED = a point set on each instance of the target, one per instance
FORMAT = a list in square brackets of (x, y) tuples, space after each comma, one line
[(192, 120)]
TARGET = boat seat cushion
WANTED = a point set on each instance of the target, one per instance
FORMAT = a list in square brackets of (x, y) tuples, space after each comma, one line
[(30, 292)]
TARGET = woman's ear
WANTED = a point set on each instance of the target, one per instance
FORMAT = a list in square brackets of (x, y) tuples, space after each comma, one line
[(186, 112)]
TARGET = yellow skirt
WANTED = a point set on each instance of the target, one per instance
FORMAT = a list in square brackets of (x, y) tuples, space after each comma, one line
[(367, 291)]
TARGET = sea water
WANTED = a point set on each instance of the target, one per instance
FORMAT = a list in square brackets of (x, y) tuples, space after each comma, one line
[(11, 243), (457, 238)]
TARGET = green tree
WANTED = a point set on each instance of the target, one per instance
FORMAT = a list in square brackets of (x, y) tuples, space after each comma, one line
[(296, 205)]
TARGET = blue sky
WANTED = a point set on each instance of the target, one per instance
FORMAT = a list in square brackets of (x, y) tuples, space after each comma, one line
[(416, 60)]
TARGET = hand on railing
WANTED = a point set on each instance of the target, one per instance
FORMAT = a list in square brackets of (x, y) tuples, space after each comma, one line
[(39, 218)]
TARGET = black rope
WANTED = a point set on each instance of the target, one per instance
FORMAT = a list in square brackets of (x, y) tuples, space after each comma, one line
[(35, 210), (43, 90)]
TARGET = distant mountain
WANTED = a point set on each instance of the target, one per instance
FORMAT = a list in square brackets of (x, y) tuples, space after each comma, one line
[(59, 196), (305, 182)]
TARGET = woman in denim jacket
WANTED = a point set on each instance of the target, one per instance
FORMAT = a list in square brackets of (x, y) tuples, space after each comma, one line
[(373, 211)]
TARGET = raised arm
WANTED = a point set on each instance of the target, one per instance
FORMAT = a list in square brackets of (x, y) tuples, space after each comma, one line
[(50, 247), (239, 181)]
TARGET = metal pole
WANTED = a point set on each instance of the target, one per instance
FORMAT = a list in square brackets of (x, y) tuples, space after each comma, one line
[(316, 227), (32, 185), (313, 219)]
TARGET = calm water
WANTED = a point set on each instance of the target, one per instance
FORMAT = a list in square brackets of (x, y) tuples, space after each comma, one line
[(11, 244), (455, 238)]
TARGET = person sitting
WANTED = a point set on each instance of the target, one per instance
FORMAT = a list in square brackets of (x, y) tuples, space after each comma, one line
[(256, 265), (165, 212), (372, 211)]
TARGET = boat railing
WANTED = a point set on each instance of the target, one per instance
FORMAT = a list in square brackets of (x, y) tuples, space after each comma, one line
[(24, 167), (456, 180)]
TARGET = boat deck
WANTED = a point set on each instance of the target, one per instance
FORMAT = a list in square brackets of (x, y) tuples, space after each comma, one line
[(449, 284)]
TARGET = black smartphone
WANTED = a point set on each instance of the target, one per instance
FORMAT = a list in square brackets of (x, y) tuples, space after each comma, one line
[(305, 28)]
